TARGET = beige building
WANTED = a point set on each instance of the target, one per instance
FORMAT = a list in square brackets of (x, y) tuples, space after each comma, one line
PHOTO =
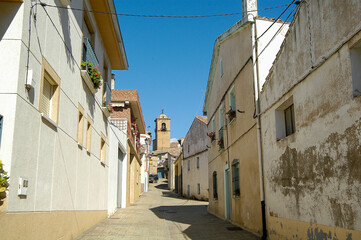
[(164, 152), (178, 174), (55, 141), (195, 161), (127, 114), (310, 119), (242, 57)]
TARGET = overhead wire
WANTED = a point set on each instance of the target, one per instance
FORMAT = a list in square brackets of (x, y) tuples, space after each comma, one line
[(163, 16), (276, 19)]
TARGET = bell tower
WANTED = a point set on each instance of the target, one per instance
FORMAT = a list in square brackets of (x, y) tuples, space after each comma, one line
[(162, 132)]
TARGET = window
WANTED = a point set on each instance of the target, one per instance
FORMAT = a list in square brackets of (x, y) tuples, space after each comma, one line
[(232, 99), (221, 67), (80, 124), (215, 191), (199, 188), (235, 179), (189, 165), (355, 54), (50, 92), (221, 138), (1, 126), (285, 119), (213, 125), (197, 162), (102, 148), (289, 120), (188, 190), (164, 127), (88, 133)]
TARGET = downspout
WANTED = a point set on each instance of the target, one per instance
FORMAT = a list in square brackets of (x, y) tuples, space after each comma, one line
[(259, 133)]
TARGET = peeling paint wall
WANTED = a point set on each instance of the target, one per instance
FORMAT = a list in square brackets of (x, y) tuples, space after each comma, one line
[(313, 176)]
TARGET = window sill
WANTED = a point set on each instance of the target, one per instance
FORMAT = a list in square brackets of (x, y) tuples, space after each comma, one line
[(80, 145), (232, 121), (88, 81), (49, 120), (221, 150), (237, 198)]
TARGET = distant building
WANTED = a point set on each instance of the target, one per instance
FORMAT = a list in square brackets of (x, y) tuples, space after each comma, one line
[(195, 161), (127, 115)]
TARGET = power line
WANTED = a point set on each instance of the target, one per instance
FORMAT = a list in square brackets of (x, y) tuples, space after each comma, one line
[(165, 16), (276, 19)]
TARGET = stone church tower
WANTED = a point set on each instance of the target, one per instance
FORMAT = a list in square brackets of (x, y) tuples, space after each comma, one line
[(162, 133)]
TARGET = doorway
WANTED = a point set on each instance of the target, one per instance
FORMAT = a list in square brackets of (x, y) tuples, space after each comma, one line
[(227, 198), (120, 176)]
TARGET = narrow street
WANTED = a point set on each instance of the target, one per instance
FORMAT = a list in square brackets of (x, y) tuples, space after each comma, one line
[(161, 214)]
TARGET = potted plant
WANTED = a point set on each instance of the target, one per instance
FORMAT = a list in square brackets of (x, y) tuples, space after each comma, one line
[(93, 73), (110, 107), (4, 184), (231, 114), (212, 136), (221, 143)]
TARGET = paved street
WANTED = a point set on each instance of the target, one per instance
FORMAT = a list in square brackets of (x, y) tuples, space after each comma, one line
[(161, 214)]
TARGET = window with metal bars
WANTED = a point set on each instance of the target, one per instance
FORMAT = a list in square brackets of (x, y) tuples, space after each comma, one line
[(215, 189), (235, 179)]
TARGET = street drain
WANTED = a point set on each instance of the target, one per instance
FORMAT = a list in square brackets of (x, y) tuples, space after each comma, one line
[(234, 229)]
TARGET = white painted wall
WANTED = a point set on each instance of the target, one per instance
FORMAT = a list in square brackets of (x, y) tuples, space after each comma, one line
[(62, 175), (117, 142)]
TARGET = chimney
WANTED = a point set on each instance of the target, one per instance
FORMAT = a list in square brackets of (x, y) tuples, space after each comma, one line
[(249, 7), (112, 84)]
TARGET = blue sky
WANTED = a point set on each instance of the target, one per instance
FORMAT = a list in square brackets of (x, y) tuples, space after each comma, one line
[(169, 59)]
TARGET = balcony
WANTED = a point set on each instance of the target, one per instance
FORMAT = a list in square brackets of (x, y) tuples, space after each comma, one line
[(107, 97), (89, 57), (89, 53)]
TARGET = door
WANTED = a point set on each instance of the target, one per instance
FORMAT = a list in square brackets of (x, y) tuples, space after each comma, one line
[(227, 197), (120, 169)]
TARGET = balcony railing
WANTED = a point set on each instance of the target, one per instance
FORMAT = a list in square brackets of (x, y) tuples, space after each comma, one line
[(121, 123), (88, 53), (107, 94)]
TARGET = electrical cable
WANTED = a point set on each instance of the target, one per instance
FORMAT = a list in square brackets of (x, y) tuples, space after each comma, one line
[(78, 67), (279, 29), (164, 16), (276, 19)]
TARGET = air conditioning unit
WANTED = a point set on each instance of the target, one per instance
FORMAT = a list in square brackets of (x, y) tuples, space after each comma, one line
[(65, 2)]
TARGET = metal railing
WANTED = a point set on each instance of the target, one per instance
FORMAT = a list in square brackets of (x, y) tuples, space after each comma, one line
[(107, 94), (120, 123), (88, 53)]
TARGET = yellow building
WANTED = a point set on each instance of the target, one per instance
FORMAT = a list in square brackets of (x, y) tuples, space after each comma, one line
[(237, 69), (127, 108)]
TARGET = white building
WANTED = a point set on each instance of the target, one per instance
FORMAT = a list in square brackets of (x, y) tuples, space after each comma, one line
[(55, 134)]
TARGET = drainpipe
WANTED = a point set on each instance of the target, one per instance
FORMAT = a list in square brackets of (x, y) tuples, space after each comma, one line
[(259, 133)]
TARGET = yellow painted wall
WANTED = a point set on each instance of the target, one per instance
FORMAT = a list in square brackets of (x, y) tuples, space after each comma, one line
[(240, 136), (287, 229), (47, 225)]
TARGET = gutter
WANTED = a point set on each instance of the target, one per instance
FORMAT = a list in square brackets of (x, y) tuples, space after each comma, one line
[(259, 133), (118, 33)]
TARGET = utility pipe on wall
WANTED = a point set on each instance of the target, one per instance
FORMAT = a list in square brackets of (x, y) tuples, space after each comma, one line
[(259, 133)]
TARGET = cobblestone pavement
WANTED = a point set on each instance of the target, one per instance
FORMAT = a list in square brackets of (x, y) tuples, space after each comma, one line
[(161, 214)]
